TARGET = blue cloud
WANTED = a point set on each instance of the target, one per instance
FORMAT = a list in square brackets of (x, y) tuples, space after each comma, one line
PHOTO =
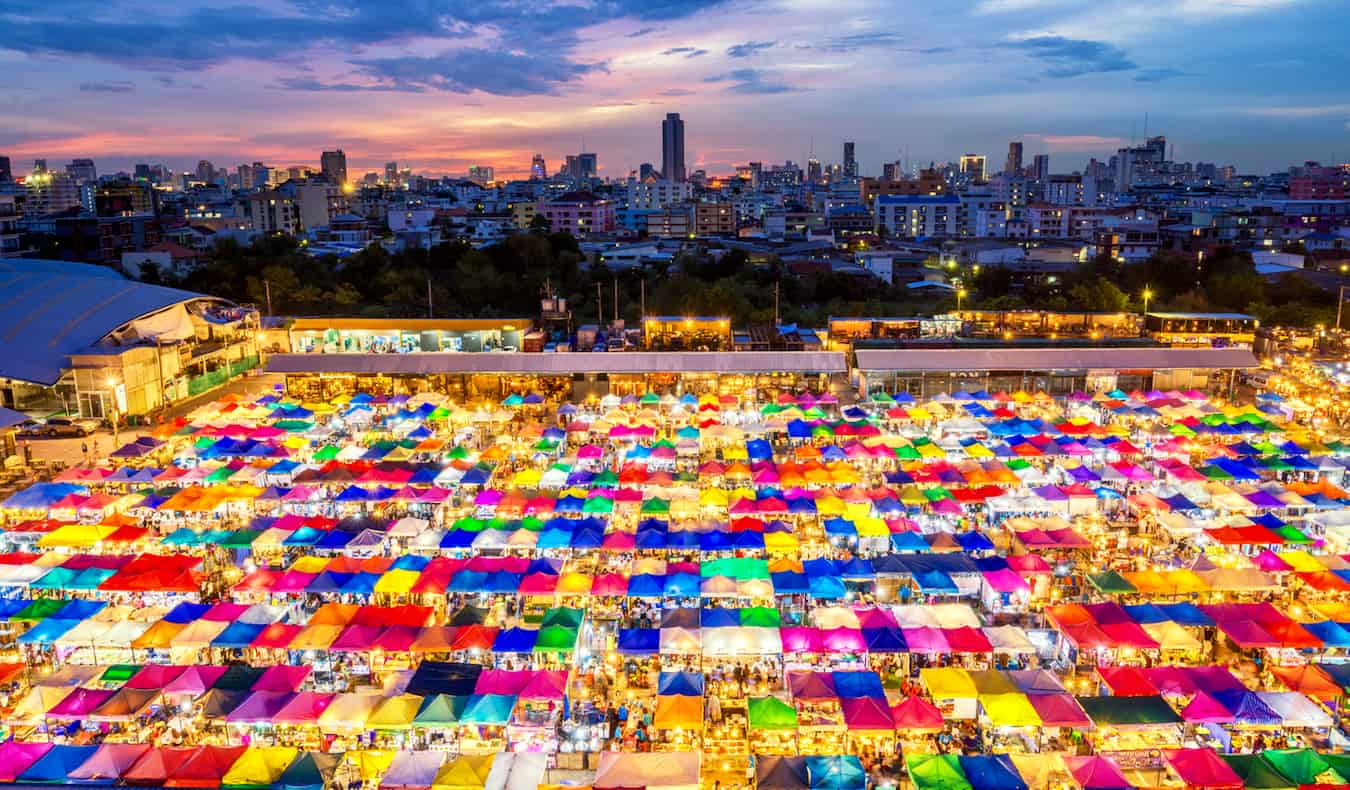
[(1157, 75), (115, 86), (688, 52), (748, 48), (466, 70), (1072, 57), (751, 81), (200, 38), (856, 41)]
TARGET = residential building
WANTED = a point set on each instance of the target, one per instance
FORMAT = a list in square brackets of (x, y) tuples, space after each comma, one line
[(915, 216), (579, 213), (124, 198), (1321, 183), (1064, 190), (672, 147), (317, 201), (482, 174), (929, 182), (50, 193), (6, 172), (333, 165), (522, 213), (658, 193), (206, 172), (715, 218), (271, 212), (538, 168), (1126, 238), (668, 223), (9, 226)]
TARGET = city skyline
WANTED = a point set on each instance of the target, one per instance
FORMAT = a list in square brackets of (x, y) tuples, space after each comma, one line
[(1250, 83)]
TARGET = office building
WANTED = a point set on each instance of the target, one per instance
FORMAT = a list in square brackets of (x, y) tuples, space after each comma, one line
[(333, 165), (6, 173), (588, 165), (972, 167), (391, 173), (672, 147), (538, 169), (82, 170), (1041, 167), (1013, 166), (813, 172), (482, 174), (850, 161)]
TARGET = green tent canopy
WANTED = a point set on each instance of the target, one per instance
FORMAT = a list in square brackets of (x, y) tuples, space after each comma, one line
[(936, 772), (771, 713), (1256, 773), (1111, 583), (1128, 710), (1303, 766)]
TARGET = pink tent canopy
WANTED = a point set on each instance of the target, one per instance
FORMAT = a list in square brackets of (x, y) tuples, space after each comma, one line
[(1204, 709), (1059, 710), (1096, 773), (867, 713), (1203, 768), (916, 713), (842, 640), (800, 639), (79, 703), (282, 678), (195, 680), (925, 639), (15, 758)]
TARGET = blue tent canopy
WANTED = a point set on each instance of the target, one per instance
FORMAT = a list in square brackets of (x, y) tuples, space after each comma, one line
[(858, 684), (639, 641), (991, 772), (683, 684)]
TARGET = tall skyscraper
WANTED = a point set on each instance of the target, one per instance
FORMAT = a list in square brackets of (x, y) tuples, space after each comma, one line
[(538, 170), (391, 173), (334, 166), (206, 172), (850, 161), (1041, 167), (6, 173), (588, 165), (672, 147), (814, 174), (1013, 166), (82, 170)]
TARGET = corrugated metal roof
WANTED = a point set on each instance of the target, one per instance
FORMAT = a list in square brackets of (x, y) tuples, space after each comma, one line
[(410, 324), (51, 309), (563, 363), (1054, 359)]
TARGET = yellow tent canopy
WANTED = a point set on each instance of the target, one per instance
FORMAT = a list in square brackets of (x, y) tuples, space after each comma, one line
[(259, 766), (948, 683)]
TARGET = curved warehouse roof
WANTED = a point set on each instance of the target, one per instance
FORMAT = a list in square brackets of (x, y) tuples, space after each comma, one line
[(562, 363), (52, 309), (941, 359)]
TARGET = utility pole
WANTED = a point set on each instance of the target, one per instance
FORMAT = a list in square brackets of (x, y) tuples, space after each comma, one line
[(775, 304), (429, 310), (1340, 302), (267, 287), (600, 305), (643, 303), (616, 298)]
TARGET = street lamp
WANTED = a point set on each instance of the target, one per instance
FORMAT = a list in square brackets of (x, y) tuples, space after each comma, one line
[(1147, 296), (960, 294)]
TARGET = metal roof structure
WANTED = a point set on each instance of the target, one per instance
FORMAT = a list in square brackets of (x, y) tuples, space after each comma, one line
[(562, 364), (52, 309), (942, 359)]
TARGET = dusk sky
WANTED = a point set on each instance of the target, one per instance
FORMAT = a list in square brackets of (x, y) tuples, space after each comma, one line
[(440, 86)]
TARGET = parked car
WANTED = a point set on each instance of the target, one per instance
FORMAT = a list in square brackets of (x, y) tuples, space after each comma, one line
[(62, 426)]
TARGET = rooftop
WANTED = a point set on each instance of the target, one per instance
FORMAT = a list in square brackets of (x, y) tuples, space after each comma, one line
[(1100, 358), (563, 364), (52, 309)]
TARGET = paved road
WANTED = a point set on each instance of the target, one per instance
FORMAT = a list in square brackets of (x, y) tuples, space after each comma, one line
[(73, 451)]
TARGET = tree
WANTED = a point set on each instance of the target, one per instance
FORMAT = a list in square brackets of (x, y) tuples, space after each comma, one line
[(539, 224), (1099, 296)]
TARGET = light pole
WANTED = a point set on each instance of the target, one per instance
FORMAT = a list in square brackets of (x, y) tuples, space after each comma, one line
[(112, 388), (960, 294), (1147, 296)]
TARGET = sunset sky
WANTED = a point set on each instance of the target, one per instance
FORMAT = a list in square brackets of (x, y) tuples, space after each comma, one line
[(440, 86)]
